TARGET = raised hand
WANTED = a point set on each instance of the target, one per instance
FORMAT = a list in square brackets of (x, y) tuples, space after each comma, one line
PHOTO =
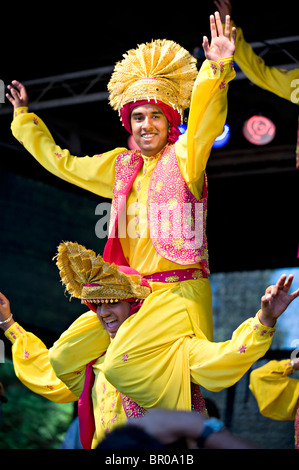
[(221, 44), (276, 300), (18, 94)]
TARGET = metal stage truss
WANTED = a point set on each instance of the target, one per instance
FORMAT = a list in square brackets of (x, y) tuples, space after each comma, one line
[(87, 86)]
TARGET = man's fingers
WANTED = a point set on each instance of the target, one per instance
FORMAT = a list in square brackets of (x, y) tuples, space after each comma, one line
[(213, 27), (17, 94), (205, 44), (266, 298), (227, 27), (284, 284), (3, 299), (219, 23), (295, 294), (270, 293), (13, 91), (234, 35), (17, 84), (288, 283), (18, 87), (281, 281), (10, 98)]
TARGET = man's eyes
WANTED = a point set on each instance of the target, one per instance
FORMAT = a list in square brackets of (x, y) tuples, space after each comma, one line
[(141, 118)]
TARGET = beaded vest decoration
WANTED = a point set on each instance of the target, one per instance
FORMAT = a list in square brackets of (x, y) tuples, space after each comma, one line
[(133, 410), (177, 220)]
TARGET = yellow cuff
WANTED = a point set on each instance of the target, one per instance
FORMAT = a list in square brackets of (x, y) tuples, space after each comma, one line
[(223, 65), (14, 332), (20, 110), (260, 329), (288, 368), (222, 70)]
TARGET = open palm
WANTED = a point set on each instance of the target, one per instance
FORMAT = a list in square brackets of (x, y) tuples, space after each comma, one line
[(221, 44), (277, 297)]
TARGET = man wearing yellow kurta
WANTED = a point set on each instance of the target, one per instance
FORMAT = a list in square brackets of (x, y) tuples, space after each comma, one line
[(277, 394), (281, 82), (180, 304), (104, 288)]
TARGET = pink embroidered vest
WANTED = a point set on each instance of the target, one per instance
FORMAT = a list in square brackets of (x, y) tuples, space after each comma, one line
[(177, 220)]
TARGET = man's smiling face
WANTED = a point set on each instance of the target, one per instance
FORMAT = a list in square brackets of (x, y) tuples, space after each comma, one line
[(149, 128), (112, 315)]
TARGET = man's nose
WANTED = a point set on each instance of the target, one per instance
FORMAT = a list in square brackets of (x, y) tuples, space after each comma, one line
[(104, 310), (147, 123)]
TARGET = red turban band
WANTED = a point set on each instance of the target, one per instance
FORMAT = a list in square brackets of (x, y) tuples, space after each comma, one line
[(172, 116)]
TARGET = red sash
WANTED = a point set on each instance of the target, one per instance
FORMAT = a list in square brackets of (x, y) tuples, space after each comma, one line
[(85, 409)]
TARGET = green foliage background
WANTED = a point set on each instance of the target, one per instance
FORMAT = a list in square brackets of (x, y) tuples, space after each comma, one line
[(30, 421)]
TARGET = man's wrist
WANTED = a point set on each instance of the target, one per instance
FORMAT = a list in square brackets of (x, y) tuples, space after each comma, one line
[(266, 320), (20, 110), (211, 426), (5, 325)]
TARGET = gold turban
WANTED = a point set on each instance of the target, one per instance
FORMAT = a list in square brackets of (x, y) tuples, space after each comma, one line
[(88, 277), (160, 70)]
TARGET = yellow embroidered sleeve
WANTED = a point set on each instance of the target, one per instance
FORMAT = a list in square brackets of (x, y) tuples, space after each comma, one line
[(33, 368), (95, 174), (82, 342), (220, 365), (208, 110), (283, 83), (276, 393)]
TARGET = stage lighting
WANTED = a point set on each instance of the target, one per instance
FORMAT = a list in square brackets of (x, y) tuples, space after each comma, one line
[(223, 138), (182, 128), (259, 130)]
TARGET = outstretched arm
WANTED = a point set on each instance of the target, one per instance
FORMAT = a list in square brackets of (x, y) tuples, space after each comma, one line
[(208, 107), (31, 361), (276, 80), (93, 174), (219, 365), (275, 390)]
